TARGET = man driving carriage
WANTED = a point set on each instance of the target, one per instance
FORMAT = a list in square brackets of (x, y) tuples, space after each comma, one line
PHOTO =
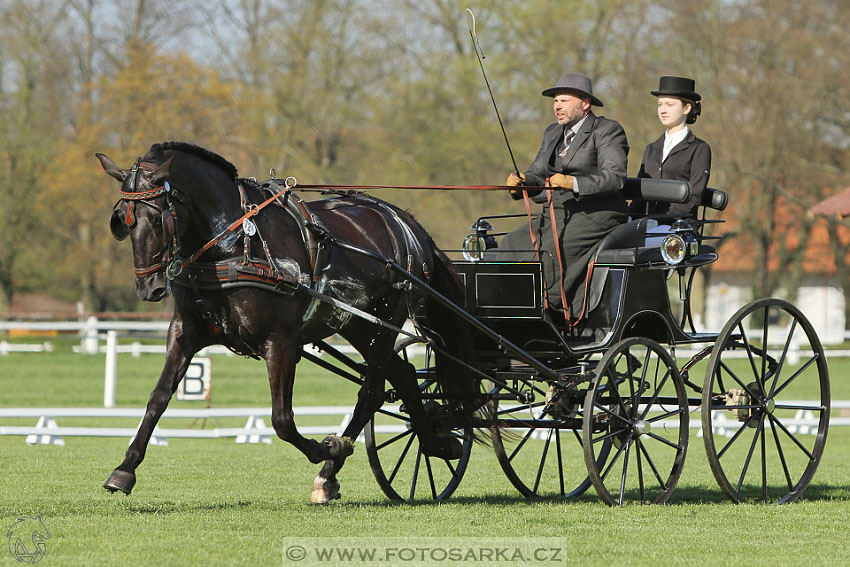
[(582, 160)]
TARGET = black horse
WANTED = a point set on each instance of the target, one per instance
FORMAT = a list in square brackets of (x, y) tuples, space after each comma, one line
[(256, 269)]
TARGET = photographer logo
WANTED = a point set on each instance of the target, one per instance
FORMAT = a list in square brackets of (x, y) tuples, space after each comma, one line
[(27, 539)]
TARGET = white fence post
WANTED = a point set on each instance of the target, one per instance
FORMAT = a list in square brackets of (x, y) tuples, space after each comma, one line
[(89, 343), (111, 369)]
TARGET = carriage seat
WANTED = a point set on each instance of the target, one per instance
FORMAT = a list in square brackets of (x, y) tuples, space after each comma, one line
[(626, 243), (716, 199), (622, 245)]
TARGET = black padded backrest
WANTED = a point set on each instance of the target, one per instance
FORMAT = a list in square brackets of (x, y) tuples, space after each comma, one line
[(716, 199), (664, 190)]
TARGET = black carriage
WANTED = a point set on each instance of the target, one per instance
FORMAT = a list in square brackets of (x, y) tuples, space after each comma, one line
[(601, 402), (608, 403)]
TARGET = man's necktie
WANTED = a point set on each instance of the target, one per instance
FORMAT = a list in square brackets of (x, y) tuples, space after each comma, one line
[(568, 137)]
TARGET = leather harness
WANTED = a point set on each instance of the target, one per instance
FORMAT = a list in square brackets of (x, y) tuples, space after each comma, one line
[(270, 273)]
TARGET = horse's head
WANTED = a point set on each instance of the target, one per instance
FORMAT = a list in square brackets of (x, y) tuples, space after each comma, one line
[(144, 214)]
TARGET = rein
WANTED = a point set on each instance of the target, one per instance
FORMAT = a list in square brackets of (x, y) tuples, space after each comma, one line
[(418, 187)]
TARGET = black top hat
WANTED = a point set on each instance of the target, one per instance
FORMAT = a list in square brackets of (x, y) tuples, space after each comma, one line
[(577, 83), (680, 87)]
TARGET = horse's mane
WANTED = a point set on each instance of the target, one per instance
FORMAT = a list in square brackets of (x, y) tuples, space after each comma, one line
[(157, 152)]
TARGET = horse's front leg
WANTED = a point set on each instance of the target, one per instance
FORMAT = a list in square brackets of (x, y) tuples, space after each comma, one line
[(281, 357), (177, 358)]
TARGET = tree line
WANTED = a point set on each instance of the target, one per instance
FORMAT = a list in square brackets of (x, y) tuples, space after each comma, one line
[(389, 92)]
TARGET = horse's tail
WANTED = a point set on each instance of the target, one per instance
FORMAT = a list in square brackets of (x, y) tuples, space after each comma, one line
[(455, 353)]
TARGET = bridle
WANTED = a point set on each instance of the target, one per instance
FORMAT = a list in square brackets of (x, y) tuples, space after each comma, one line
[(171, 262), (121, 227)]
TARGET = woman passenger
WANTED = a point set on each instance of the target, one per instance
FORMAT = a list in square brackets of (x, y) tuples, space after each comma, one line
[(677, 154)]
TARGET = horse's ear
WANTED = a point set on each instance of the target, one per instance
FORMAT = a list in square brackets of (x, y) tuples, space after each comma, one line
[(111, 168), (161, 172)]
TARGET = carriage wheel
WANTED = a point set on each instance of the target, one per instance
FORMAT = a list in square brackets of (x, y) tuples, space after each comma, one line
[(538, 452), (763, 440), (637, 401), (402, 470)]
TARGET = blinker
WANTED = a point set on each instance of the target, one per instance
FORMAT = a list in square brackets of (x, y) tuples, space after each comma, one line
[(119, 229)]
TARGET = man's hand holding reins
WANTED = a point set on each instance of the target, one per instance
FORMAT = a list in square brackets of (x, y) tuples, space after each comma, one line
[(513, 181), (562, 181)]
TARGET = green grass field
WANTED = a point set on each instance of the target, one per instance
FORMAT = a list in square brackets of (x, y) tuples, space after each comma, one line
[(214, 502)]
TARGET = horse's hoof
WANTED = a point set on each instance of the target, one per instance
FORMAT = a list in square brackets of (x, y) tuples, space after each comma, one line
[(324, 491), (340, 447), (120, 480)]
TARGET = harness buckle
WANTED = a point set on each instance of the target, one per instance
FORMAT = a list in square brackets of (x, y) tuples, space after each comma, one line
[(174, 269)]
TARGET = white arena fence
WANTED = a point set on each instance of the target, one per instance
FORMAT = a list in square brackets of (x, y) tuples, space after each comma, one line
[(48, 432), (92, 331)]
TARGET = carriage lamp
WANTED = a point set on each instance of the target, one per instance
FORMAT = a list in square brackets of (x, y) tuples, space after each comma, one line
[(673, 249), (478, 241), (679, 245)]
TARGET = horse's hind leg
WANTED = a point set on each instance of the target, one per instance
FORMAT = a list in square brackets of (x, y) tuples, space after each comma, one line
[(376, 345), (383, 363), (177, 358)]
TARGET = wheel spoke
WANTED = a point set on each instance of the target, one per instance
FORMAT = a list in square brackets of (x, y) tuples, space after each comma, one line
[(542, 460), (521, 408), (734, 438), (657, 393), (560, 461), (644, 370), (415, 473), (761, 378), (525, 438), (640, 473), (782, 358), (781, 453), (649, 460), (749, 349), (763, 464), (578, 437), (625, 472), (668, 414), (392, 414), (613, 462), (430, 477), (796, 374), (794, 439), (750, 455), (796, 407), (631, 372), (597, 405), (394, 439), (613, 387), (738, 380), (401, 458), (450, 467), (610, 435), (665, 441)]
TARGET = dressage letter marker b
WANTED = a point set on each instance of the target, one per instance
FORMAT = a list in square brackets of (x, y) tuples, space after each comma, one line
[(197, 382)]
